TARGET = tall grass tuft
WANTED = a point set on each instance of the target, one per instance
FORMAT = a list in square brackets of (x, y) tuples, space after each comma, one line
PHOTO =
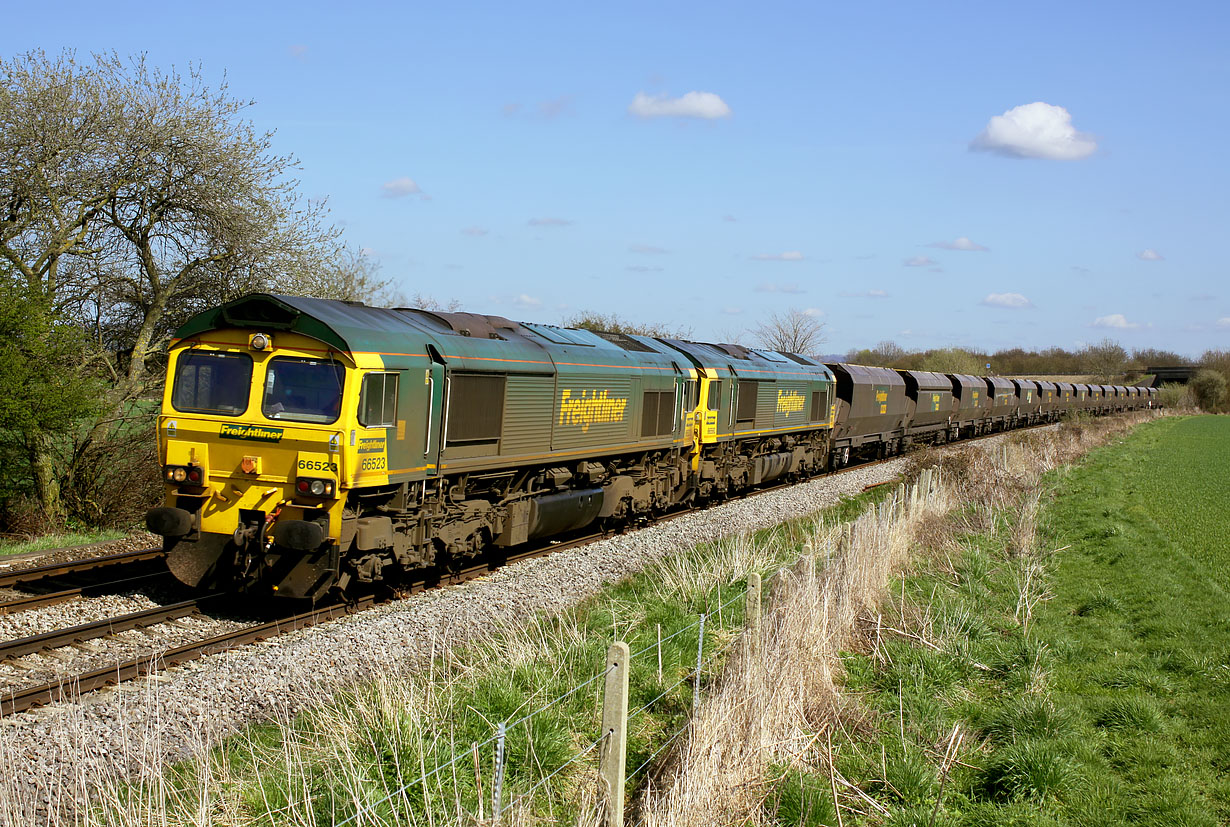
[(779, 695)]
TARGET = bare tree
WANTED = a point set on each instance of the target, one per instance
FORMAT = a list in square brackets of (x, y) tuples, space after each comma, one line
[(794, 331), (131, 198), (613, 323), (885, 354), (1106, 360), (421, 301)]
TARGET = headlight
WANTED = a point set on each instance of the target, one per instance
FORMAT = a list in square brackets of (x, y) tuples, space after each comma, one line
[(318, 488), (190, 474)]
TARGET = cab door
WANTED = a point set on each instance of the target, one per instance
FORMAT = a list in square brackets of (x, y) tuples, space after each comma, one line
[(434, 378), (682, 422)]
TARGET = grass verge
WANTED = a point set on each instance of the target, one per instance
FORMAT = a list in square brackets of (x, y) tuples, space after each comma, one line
[(1061, 658), (51, 542)]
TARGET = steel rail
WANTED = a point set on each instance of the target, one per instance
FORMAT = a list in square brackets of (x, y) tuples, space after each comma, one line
[(100, 628), (37, 601), (22, 699), (29, 575)]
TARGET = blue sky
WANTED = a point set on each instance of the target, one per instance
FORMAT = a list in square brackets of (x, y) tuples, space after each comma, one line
[(706, 164)]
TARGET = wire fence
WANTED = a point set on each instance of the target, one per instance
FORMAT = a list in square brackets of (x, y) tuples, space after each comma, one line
[(501, 732)]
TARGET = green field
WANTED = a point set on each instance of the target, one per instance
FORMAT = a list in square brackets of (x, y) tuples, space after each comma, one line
[(1112, 704)]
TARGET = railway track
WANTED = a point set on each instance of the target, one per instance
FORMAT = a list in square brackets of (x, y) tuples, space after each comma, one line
[(18, 700), (38, 600), (26, 576)]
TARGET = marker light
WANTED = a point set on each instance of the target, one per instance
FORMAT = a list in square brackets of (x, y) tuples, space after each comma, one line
[(314, 487), (259, 341)]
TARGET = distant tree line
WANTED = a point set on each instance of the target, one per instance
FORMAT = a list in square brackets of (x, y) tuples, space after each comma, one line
[(1105, 360), (130, 198)]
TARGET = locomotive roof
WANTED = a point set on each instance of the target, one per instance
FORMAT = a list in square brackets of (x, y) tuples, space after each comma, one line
[(356, 327)]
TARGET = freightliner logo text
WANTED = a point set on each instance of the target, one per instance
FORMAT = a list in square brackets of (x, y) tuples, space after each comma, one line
[(588, 409), (254, 433), (789, 402)]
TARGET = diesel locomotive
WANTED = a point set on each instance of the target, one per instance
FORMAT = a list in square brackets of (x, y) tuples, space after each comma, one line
[(312, 447)]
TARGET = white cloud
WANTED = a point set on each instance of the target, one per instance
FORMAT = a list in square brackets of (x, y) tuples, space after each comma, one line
[(789, 255), (1012, 300), (919, 261), (1149, 255), (550, 222), (877, 294), (399, 188), (732, 311), (1116, 321), (705, 105), (874, 293), (814, 312), (1224, 321), (643, 268), (474, 232), (1035, 130), (523, 300), (769, 287), (647, 249), (962, 243)]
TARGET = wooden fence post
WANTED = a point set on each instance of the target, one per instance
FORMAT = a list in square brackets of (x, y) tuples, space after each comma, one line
[(612, 762), (752, 612)]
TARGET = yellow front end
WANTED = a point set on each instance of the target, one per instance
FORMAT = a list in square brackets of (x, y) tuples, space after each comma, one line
[(256, 448)]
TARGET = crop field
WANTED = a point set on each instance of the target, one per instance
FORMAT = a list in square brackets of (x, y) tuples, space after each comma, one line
[(1084, 670), (1188, 494)]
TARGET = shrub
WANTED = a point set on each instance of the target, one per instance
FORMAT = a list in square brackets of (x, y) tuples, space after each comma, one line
[(1173, 395), (1209, 389)]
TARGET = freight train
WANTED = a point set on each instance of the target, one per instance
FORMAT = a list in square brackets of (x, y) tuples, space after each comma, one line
[(313, 447)]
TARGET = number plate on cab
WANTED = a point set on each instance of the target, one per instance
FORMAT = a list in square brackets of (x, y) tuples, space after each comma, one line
[(311, 464)]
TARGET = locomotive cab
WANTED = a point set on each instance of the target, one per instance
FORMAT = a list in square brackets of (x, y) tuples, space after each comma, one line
[(253, 460), (263, 431)]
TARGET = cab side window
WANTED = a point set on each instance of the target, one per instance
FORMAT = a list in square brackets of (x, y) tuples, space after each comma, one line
[(378, 400)]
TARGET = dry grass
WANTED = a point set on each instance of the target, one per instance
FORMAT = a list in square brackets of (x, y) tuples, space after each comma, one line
[(779, 696)]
